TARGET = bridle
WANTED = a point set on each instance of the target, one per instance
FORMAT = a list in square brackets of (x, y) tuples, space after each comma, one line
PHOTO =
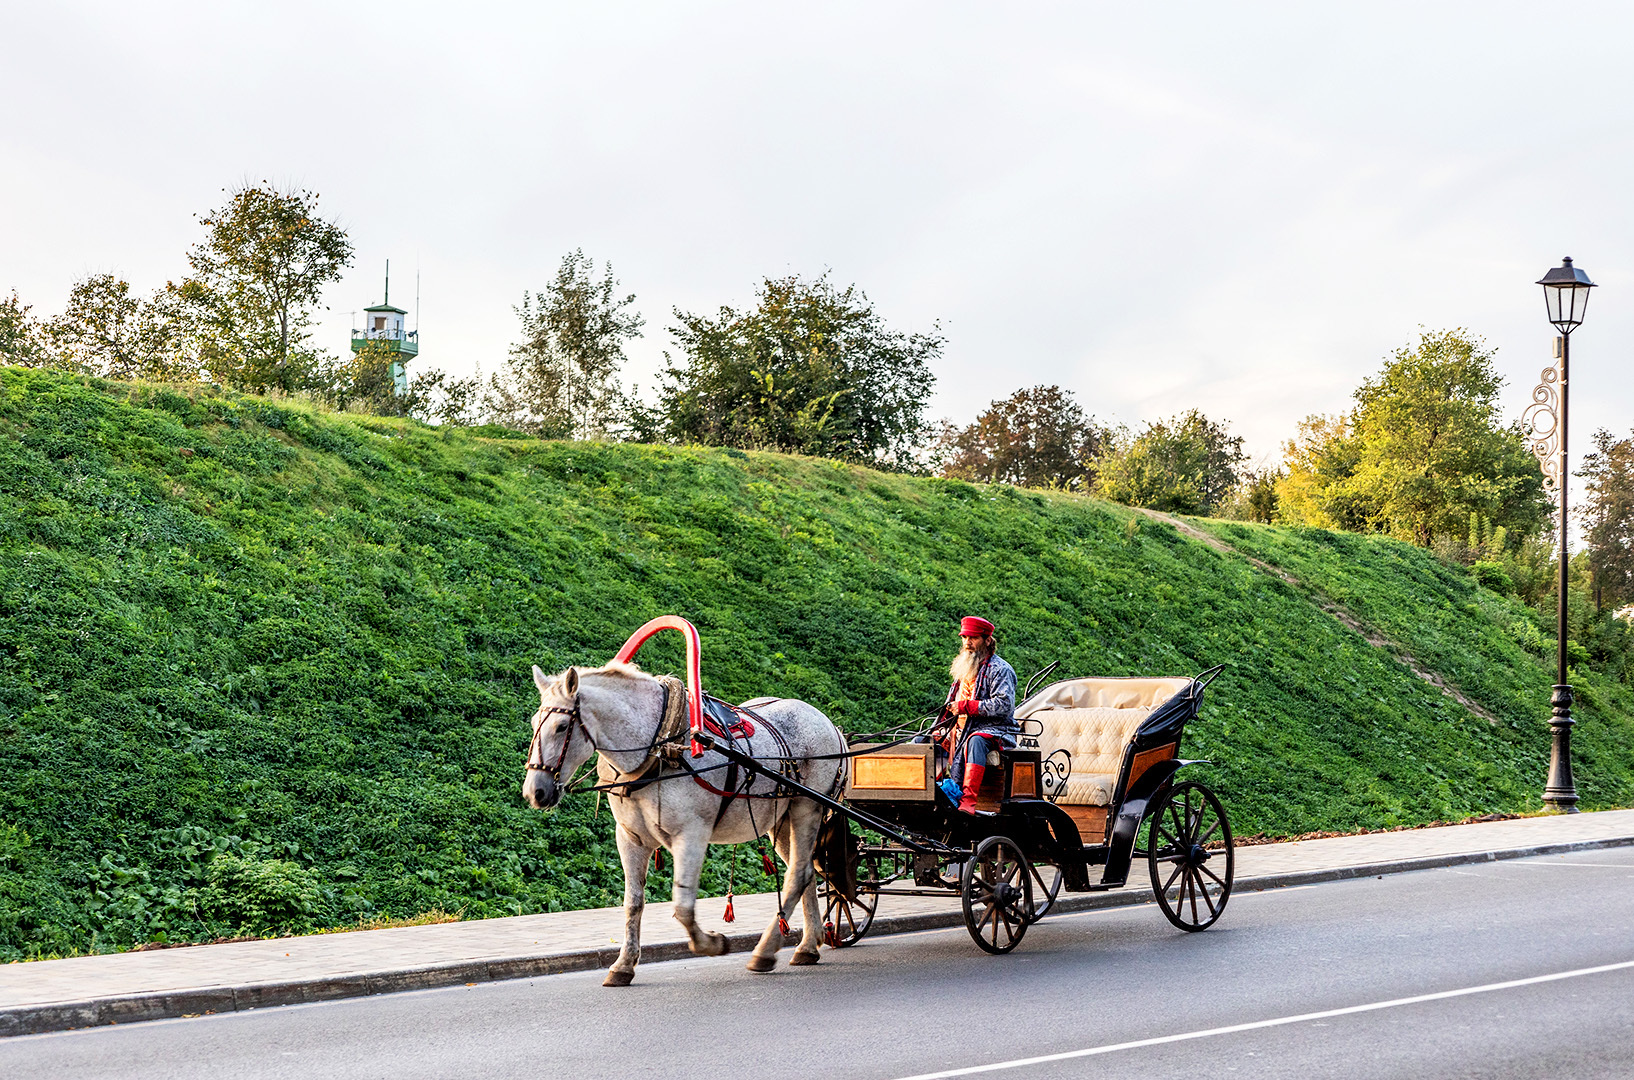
[(576, 723)]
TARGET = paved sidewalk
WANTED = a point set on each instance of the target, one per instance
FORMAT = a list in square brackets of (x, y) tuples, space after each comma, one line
[(123, 987)]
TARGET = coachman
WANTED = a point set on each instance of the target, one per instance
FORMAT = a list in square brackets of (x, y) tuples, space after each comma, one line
[(983, 701)]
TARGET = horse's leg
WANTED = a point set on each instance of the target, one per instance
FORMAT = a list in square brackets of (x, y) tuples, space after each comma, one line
[(811, 936), (689, 852), (636, 859), (803, 820)]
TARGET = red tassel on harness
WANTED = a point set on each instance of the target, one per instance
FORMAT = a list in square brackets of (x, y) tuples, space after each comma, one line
[(783, 926), (766, 861), (729, 916), (658, 861)]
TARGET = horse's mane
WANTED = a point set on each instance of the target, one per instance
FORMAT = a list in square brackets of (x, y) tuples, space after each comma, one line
[(628, 671)]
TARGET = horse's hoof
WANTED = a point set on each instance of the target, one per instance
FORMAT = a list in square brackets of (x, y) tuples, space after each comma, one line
[(762, 963), (726, 944), (801, 959), (616, 977)]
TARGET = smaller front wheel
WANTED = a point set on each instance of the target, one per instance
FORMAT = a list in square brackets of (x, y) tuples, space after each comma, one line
[(997, 890), (845, 919), (1188, 850)]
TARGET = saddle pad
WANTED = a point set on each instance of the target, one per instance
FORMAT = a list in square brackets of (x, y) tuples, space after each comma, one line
[(725, 721)]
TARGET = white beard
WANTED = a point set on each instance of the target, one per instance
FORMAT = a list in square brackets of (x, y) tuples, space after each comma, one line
[(967, 664)]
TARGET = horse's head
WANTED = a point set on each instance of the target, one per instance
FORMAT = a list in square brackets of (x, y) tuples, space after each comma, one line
[(560, 743)]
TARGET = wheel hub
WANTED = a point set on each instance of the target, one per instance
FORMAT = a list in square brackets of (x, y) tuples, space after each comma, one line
[(1197, 856), (1006, 894)]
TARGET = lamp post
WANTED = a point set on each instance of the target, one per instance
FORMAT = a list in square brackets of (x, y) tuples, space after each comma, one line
[(1566, 295)]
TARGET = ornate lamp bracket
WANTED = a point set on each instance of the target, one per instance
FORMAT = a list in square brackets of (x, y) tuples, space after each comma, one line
[(1542, 422)]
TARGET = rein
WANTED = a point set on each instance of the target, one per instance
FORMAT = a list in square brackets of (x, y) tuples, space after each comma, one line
[(654, 774), (576, 723)]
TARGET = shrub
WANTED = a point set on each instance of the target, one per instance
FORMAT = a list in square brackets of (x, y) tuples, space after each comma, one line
[(264, 897), (1493, 576)]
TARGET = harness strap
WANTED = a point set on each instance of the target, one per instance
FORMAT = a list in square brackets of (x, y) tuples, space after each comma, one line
[(729, 795)]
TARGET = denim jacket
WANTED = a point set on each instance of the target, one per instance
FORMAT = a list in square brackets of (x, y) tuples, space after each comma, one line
[(995, 701)]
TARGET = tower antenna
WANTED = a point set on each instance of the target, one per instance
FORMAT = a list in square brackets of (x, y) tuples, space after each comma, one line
[(388, 283)]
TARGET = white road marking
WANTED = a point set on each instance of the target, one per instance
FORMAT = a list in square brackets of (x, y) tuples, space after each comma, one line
[(1094, 1051), (1601, 865)]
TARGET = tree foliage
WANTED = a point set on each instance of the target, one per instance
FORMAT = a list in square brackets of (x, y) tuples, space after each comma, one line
[(109, 331), (1608, 512), (811, 369), (1037, 437), (1184, 465), (1423, 448), (564, 371), (255, 279), (1254, 498), (21, 339)]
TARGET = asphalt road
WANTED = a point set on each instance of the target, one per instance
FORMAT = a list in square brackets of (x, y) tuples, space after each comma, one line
[(1079, 987)]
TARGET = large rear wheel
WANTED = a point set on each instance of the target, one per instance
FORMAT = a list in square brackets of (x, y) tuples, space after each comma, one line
[(997, 890), (1189, 853)]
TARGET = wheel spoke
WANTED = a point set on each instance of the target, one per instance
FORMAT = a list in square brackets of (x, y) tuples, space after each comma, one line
[(1207, 899), (1178, 870), (1213, 875)]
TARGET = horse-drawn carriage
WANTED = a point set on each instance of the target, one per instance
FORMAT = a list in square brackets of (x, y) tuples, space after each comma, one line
[(1090, 787)]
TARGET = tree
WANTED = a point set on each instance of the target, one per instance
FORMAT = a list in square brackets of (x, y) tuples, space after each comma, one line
[(1317, 463), (108, 331), (1254, 498), (1037, 437), (1185, 465), (564, 370), (255, 279), (1423, 448), (21, 337), (811, 369), (1609, 514)]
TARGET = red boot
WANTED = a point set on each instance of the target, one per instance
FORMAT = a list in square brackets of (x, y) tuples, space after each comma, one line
[(972, 785)]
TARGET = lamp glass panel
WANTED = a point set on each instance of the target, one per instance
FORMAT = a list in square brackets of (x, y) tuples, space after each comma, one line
[(1579, 302), (1554, 296)]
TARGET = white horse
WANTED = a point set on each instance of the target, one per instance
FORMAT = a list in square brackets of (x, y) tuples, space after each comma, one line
[(617, 711)]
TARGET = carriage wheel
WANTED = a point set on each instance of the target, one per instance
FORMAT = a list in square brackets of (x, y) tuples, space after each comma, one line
[(997, 890), (1047, 886), (846, 921), (1189, 853)]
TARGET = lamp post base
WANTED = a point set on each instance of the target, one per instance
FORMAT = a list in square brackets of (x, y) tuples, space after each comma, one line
[(1560, 794)]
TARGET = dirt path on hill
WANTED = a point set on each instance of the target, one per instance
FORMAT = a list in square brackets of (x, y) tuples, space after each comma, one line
[(1371, 635)]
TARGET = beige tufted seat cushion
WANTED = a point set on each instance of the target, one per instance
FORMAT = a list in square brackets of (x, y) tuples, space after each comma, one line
[(1093, 720)]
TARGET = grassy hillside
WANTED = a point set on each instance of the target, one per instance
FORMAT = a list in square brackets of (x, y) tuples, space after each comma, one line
[(265, 668)]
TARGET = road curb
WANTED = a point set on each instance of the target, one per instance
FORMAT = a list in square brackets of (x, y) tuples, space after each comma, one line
[(163, 1005)]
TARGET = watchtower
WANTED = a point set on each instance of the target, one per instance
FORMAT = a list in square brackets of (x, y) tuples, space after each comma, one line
[(383, 324)]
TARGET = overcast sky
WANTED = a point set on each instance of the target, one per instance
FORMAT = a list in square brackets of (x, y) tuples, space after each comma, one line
[(1238, 207)]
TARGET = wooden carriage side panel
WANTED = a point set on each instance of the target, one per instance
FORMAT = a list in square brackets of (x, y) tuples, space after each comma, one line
[(1147, 758), (902, 773), (1091, 821), (1016, 776)]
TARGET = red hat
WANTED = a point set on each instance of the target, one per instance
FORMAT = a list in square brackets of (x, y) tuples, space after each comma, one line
[(974, 625)]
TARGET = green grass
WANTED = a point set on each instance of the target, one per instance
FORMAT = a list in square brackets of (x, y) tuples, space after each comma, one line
[(305, 646)]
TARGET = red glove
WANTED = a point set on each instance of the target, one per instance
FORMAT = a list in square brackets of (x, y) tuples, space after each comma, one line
[(966, 708)]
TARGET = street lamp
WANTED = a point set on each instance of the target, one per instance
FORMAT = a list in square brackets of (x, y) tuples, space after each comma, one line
[(1566, 295)]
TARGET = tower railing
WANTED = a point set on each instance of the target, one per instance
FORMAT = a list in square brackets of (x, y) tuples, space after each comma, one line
[(386, 335)]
